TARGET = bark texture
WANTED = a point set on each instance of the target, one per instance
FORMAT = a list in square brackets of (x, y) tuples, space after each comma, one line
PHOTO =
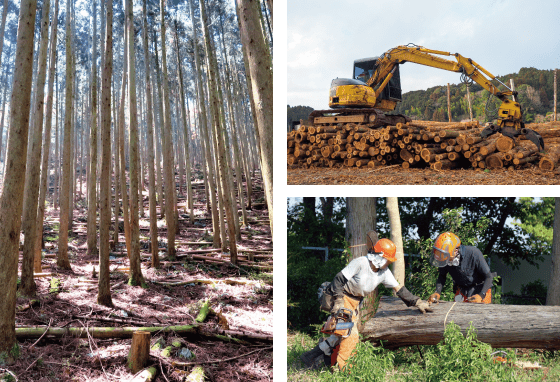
[(508, 326), (553, 294), (11, 201), (104, 293), (136, 277), (168, 161), (257, 54), (29, 220), (65, 194), (396, 237), (150, 145)]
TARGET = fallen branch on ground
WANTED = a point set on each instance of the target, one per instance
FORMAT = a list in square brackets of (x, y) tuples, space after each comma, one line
[(126, 332)]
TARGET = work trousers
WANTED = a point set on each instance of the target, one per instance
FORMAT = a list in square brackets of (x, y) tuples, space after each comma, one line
[(348, 344)]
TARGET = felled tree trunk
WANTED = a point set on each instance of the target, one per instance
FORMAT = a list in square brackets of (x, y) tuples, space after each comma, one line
[(518, 326)]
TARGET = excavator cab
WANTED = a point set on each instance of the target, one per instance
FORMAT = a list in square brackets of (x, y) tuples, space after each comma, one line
[(354, 92), (364, 69)]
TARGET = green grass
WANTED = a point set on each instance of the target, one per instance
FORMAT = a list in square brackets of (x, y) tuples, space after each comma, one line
[(458, 358)]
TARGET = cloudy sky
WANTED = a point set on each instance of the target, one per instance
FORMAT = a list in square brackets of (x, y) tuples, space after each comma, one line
[(324, 37)]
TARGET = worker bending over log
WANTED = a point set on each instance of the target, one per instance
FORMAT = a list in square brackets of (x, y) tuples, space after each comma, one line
[(471, 274), (342, 298)]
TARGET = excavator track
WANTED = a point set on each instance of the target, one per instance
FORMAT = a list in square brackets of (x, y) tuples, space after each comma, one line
[(368, 117)]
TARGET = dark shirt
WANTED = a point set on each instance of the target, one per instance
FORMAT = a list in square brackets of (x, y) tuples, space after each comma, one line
[(472, 275)]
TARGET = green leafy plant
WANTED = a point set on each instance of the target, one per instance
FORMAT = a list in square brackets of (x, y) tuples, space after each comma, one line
[(463, 358)]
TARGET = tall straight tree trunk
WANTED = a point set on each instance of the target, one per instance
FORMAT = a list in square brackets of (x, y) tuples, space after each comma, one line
[(46, 140), (553, 294), (396, 237), (11, 201), (6, 87), (104, 289), (220, 131), (92, 173), (159, 134), (150, 144), (203, 126), (124, 192), (257, 55), (136, 277), (359, 221), (65, 194), (117, 173), (169, 166), (56, 196), (29, 221), (185, 128), (237, 163)]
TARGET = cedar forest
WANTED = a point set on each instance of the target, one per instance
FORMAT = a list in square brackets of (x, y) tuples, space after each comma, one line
[(136, 190)]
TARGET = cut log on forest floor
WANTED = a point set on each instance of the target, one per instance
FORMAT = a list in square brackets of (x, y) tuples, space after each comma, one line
[(126, 332), (206, 281), (507, 326)]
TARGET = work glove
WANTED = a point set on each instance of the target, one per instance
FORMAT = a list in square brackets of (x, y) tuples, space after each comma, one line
[(434, 298), (423, 306), (476, 298), (337, 305)]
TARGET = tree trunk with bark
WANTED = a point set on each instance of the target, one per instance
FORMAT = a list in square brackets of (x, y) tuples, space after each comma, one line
[(32, 175), (65, 193), (104, 290), (136, 277), (11, 201), (92, 173), (169, 163), (396, 237), (122, 156), (215, 96), (501, 326), (359, 221), (203, 126), (553, 294), (150, 144), (46, 141), (186, 135), (257, 54)]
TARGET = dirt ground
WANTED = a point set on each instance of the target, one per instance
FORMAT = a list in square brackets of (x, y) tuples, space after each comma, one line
[(396, 175), (245, 308)]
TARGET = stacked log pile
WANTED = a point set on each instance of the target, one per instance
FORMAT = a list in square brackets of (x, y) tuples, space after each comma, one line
[(438, 145)]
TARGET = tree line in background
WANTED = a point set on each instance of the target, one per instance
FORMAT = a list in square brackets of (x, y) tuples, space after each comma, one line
[(100, 99), (513, 229), (536, 95)]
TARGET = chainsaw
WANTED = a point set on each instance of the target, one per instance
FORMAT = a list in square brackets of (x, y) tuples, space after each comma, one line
[(340, 324)]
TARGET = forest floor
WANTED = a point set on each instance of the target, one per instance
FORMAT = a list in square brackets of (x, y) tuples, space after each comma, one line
[(396, 175), (69, 299)]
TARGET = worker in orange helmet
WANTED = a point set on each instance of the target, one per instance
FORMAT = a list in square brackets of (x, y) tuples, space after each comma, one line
[(469, 270), (359, 278)]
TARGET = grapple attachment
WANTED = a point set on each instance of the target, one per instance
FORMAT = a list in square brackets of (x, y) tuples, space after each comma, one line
[(511, 132)]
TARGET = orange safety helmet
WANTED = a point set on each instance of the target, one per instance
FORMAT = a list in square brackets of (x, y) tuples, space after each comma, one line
[(444, 249), (388, 248)]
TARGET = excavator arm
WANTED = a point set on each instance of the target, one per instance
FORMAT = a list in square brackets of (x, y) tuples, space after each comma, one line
[(366, 90), (510, 116), (429, 57)]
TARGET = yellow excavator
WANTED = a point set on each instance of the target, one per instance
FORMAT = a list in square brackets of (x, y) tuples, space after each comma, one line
[(376, 89)]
